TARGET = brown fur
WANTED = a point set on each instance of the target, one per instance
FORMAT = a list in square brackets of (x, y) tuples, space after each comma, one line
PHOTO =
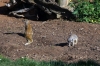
[(28, 32)]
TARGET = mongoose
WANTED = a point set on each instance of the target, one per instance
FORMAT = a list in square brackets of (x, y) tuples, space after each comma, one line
[(72, 40), (28, 32)]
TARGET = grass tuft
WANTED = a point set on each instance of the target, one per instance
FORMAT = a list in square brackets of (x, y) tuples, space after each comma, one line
[(29, 62)]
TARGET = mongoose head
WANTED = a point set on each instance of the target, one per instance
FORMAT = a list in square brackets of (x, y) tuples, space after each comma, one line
[(71, 42), (26, 22), (73, 39)]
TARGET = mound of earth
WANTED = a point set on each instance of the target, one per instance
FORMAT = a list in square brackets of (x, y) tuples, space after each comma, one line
[(49, 39)]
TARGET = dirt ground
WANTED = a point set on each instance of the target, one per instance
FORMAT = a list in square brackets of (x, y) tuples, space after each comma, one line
[(49, 39)]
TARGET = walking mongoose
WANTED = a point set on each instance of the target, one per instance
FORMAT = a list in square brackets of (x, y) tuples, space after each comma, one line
[(28, 32), (72, 40)]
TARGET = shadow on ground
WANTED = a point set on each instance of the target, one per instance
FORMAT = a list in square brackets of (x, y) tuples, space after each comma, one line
[(79, 63), (3, 10), (20, 34), (62, 44)]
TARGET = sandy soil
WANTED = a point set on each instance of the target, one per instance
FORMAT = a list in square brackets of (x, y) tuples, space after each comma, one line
[(49, 39)]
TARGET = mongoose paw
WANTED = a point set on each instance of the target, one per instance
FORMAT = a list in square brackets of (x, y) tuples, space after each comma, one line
[(27, 44)]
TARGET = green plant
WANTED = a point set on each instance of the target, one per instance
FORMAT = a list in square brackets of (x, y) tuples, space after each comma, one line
[(87, 11), (5, 61), (25, 62), (29, 62)]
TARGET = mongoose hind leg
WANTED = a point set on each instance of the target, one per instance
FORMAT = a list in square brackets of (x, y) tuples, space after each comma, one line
[(29, 42)]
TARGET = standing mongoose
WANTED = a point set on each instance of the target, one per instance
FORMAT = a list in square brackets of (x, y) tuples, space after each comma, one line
[(72, 40), (28, 32)]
